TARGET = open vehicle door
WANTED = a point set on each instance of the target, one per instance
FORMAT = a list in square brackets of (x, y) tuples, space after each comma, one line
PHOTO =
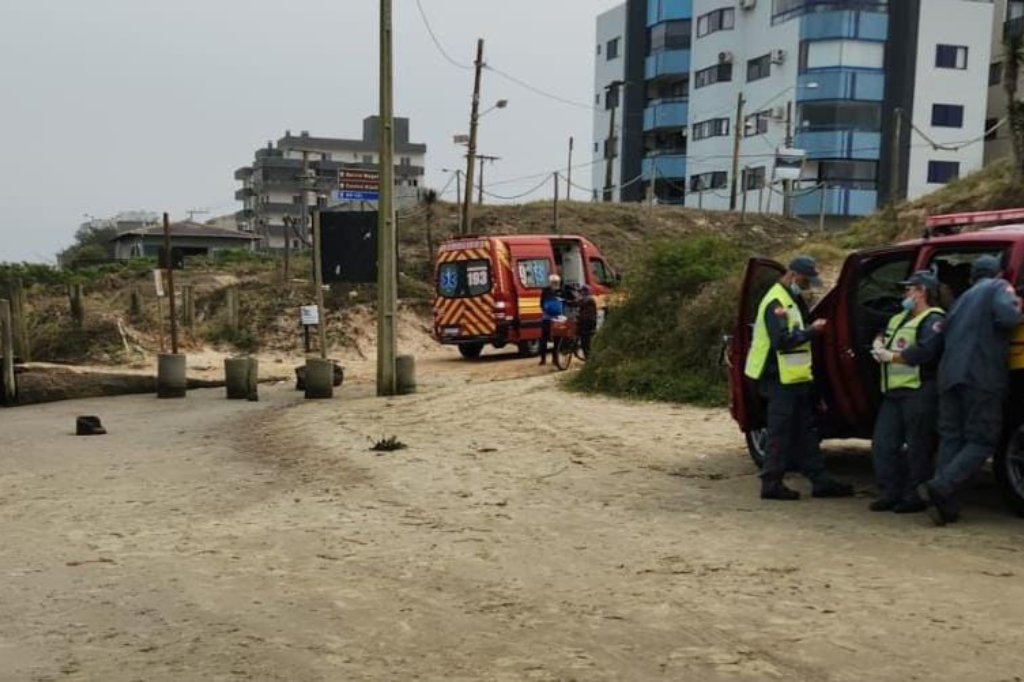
[(867, 294), (746, 406)]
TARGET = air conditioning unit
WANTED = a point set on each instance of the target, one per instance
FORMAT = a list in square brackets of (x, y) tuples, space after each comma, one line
[(748, 4), (779, 113), (725, 57), (778, 56)]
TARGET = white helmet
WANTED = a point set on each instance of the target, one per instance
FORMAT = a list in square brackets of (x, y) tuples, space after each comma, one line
[(554, 279)]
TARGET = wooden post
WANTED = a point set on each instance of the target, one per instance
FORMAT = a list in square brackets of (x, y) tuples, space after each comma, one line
[(135, 304), (7, 349), (20, 330), (188, 307), (76, 305), (232, 305), (170, 285), (318, 281)]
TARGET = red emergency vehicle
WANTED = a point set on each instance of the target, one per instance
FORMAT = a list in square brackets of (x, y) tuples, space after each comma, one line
[(489, 287)]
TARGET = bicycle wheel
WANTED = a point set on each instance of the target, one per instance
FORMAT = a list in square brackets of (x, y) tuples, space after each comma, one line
[(564, 350), (579, 352)]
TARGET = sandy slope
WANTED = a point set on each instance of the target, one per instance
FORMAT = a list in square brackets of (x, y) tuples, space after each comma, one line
[(526, 533)]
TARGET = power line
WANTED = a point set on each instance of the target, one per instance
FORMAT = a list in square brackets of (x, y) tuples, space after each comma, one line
[(437, 42), (539, 91)]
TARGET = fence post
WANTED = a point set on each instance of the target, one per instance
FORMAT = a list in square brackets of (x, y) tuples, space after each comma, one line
[(135, 304), (188, 306), (76, 304), (10, 394), (232, 305), (20, 329)]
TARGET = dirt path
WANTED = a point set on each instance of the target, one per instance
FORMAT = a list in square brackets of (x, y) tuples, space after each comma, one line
[(526, 533)]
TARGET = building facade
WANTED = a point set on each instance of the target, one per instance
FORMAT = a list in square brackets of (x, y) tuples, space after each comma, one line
[(1009, 22), (610, 71), (887, 99), (273, 185)]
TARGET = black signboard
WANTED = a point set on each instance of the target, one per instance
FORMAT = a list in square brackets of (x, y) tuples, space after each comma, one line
[(349, 246)]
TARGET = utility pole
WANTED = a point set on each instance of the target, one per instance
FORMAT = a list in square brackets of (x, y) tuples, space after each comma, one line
[(474, 119), (788, 184), (458, 193), (170, 284), (609, 150), (897, 141), (736, 138), (556, 203), (387, 271), (318, 282), (483, 159), (568, 180)]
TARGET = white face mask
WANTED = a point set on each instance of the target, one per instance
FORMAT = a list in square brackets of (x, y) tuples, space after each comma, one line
[(795, 288)]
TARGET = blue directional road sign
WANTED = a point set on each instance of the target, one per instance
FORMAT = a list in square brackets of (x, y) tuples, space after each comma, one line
[(352, 195)]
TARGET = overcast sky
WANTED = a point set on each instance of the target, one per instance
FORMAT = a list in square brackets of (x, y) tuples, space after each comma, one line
[(111, 105)]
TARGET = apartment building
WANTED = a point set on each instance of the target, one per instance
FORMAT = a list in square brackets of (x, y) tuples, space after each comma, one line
[(609, 73), (272, 186), (825, 76), (1009, 21)]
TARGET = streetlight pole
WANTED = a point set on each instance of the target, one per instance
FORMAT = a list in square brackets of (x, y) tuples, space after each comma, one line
[(483, 158), (387, 275), (474, 119)]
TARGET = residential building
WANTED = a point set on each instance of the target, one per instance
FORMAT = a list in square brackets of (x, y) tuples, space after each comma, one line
[(1009, 21), (824, 76), (610, 56), (272, 186), (193, 239)]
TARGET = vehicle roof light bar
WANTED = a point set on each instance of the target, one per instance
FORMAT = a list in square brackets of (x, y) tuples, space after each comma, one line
[(976, 217)]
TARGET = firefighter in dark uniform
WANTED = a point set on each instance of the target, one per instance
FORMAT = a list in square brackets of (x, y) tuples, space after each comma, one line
[(780, 361), (908, 352), (974, 377)]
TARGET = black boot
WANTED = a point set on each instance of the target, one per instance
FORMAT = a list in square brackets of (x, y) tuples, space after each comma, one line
[(883, 504), (941, 508), (778, 491), (910, 504)]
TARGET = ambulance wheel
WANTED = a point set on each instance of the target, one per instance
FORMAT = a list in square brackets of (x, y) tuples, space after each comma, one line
[(757, 444), (1009, 470), (471, 351), (529, 349)]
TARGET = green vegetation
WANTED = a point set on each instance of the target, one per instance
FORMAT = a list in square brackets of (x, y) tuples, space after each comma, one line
[(663, 342)]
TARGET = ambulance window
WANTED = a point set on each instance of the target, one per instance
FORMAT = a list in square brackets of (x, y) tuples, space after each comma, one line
[(600, 272), (953, 269), (463, 279), (533, 272)]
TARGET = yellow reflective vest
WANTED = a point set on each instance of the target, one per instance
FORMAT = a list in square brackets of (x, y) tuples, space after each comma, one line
[(794, 365), (900, 335)]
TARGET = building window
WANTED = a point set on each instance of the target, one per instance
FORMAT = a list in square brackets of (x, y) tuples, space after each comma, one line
[(849, 174), (611, 97), (597, 147), (951, 57), (995, 73), (753, 178), (669, 35), (941, 172), (947, 116), (713, 180), (784, 10), (991, 128), (759, 68), (612, 51), (756, 124), (719, 73), (297, 199), (719, 20), (676, 89), (840, 115), (826, 54), (715, 127), (405, 161), (597, 98), (368, 158)]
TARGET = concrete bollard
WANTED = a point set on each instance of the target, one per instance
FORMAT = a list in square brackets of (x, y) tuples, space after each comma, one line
[(319, 378), (241, 377), (170, 376), (405, 374)]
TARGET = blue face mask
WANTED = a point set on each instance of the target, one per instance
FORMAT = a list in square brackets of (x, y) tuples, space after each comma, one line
[(795, 288), (907, 303)]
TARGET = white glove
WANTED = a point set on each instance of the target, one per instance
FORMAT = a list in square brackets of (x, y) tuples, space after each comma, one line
[(878, 344), (881, 355)]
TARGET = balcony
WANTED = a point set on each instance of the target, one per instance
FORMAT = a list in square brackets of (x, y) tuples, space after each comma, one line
[(845, 25), (667, 63), (840, 144), (664, 166), (244, 193), (666, 114), (833, 84), (668, 10), (1014, 28), (839, 201)]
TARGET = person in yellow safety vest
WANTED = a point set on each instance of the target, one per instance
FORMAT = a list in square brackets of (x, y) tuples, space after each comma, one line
[(780, 361), (904, 441)]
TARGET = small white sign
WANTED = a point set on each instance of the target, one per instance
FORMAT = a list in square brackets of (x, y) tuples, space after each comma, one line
[(310, 315), (158, 282), (789, 163)]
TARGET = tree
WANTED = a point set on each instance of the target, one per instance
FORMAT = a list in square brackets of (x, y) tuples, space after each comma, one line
[(1013, 44), (92, 242)]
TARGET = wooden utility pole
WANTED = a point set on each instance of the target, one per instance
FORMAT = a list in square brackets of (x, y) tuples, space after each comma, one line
[(483, 159), (736, 138), (895, 156), (76, 303), (474, 119), (555, 216), (318, 281), (387, 242), (7, 349), (20, 330), (787, 184), (170, 284), (609, 148), (568, 173)]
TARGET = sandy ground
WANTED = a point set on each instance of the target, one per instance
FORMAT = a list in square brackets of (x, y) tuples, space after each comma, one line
[(526, 533)]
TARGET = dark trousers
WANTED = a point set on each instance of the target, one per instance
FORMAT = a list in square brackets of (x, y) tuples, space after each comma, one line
[(792, 433), (586, 333), (906, 418), (545, 338), (970, 427)]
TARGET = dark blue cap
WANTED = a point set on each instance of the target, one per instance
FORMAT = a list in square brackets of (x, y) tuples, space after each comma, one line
[(808, 267), (922, 278), (986, 266)]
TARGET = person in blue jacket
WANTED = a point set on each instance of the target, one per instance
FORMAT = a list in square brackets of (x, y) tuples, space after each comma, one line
[(551, 306), (973, 380)]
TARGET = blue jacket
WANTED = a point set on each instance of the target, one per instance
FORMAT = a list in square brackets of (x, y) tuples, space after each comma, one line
[(977, 343), (550, 303)]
